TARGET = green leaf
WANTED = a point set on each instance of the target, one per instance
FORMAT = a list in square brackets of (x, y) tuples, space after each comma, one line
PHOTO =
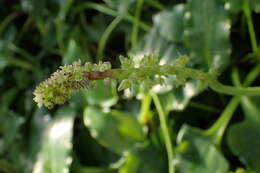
[(40, 121), (9, 129), (54, 155), (8, 97), (104, 95), (196, 153), (170, 23), (146, 159), (112, 129), (166, 40), (74, 53), (244, 137), (206, 33)]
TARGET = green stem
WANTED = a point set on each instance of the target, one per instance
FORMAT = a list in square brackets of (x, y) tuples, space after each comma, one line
[(185, 73), (104, 9), (155, 4), (105, 36), (203, 107), (145, 113), (247, 13), (134, 35), (166, 133), (218, 128), (59, 36)]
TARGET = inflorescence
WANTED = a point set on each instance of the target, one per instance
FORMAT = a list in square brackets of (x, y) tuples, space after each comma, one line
[(59, 87), (145, 71)]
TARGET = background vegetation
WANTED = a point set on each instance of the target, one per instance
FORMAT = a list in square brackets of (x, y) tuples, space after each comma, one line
[(102, 130)]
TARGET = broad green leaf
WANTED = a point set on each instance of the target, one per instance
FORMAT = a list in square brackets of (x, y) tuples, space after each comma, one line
[(104, 94), (74, 53), (40, 121), (166, 40), (115, 130), (8, 97), (206, 33), (9, 129), (244, 137), (54, 155), (170, 23), (146, 159), (196, 153)]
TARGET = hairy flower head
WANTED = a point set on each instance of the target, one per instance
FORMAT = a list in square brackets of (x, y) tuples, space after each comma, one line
[(59, 87)]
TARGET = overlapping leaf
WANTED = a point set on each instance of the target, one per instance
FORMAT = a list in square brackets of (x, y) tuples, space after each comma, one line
[(197, 154), (244, 137), (54, 155), (112, 129)]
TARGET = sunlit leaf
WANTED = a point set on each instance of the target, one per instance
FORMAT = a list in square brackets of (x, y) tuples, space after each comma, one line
[(206, 33), (54, 155), (170, 23), (104, 94)]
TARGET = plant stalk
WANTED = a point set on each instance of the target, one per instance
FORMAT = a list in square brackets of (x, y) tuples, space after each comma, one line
[(166, 133)]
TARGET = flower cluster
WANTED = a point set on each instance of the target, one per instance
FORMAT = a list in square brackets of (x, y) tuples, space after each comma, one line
[(59, 87)]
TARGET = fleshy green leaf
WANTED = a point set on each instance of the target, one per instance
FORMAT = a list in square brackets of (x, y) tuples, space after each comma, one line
[(166, 40), (170, 23), (111, 129), (206, 33), (197, 153), (54, 155), (74, 53), (104, 95), (145, 159), (244, 137)]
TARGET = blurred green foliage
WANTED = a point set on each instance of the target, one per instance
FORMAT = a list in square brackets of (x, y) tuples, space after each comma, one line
[(102, 131)]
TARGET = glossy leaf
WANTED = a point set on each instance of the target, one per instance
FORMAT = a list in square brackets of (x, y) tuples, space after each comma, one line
[(206, 33), (166, 40), (54, 155), (40, 121), (104, 94), (170, 23), (196, 153), (146, 159), (111, 129), (244, 137)]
